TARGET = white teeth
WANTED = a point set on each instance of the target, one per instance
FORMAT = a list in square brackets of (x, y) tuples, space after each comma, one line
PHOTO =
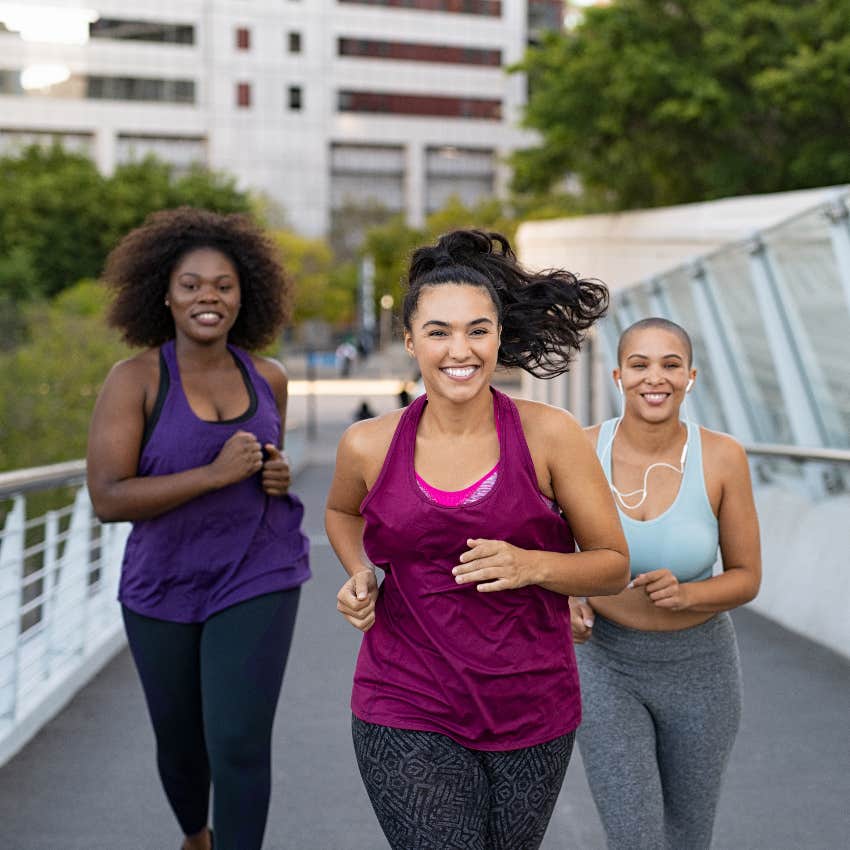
[(206, 316), (655, 396), (464, 372)]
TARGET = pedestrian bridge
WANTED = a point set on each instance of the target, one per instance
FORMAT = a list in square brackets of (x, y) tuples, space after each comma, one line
[(770, 319)]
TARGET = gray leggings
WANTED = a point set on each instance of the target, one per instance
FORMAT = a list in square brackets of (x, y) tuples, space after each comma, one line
[(660, 715)]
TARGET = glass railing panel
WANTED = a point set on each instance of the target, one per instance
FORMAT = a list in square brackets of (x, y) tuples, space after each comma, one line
[(730, 273), (802, 254), (676, 286)]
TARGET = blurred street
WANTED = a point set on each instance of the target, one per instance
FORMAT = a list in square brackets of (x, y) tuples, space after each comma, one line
[(88, 780)]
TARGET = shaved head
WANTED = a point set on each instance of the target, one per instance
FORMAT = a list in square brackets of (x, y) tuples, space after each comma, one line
[(660, 324)]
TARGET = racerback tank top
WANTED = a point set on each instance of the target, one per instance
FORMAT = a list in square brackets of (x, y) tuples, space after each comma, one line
[(684, 538), (492, 671), (222, 547)]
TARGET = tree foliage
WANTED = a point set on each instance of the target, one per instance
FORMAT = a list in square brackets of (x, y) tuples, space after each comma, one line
[(321, 292), (652, 102), (391, 244), (59, 217), (48, 384)]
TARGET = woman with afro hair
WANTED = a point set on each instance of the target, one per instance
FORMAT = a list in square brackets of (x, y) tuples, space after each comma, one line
[(186, 442)]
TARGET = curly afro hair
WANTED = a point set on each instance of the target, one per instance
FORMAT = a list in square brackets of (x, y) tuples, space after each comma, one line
[(139, 268)]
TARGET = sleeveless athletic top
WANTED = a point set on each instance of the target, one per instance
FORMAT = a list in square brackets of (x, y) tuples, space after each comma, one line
[(473, 493), (222, 547), (684, 538), (492, 671)]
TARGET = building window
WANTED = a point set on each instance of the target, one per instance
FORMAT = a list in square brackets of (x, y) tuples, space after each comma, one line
[(140, 88), (132, 30), (294, 98), (414, 52), (243, 95), (437, 106), (97, 87), (180, 151), (243, 38), (294, 41), (467, 173), (490, 8)]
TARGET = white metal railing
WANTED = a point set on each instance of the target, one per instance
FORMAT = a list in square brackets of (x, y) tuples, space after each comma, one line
[(59, 571), (798, 453), (58, 581)]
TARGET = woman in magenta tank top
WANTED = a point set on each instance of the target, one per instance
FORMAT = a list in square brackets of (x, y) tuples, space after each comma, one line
[(186, 443), (466, 695)]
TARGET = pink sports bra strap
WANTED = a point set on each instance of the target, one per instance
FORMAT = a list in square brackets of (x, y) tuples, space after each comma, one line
[(466, 496), (470, 494)]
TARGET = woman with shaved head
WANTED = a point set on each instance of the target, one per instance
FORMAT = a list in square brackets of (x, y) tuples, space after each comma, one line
[(658, 662)]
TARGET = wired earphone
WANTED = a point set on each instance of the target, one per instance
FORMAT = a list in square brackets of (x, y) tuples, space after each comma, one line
[(643, 490)]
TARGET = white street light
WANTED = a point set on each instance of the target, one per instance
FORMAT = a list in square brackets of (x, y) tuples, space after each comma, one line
[(53, 24), (43, 76)]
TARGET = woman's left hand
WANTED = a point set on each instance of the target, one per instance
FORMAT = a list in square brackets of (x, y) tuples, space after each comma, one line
[(277, 475), (493, 565), (663, 589)]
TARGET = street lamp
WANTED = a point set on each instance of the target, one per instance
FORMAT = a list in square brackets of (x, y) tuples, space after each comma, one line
[(386, 318)]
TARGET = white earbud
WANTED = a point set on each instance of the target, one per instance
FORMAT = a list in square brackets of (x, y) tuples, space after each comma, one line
[(620, 386), (690, 384)]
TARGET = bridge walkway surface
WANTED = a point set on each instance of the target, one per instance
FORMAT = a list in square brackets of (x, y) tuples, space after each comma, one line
[(88, 780)]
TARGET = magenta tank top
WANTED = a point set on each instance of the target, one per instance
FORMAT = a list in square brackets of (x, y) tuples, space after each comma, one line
[(222, 547), (492, 671)]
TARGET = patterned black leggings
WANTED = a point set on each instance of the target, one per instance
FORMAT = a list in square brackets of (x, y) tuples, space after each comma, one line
[(430, 793)]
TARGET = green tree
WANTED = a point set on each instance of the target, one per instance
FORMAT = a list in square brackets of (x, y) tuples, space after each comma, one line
[(651, 102), (391, 244), (48, 384), (59, 217), (320, 293), (53, 218)]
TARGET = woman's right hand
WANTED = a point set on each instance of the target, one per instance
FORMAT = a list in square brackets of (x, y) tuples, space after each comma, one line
[(240, 457), (581, 619), (356, 600)]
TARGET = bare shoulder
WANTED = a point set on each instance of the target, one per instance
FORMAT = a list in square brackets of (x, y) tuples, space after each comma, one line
[(721, 451), (135, 374), (592, 433), (370, 438), (273, 371), (547, 423)]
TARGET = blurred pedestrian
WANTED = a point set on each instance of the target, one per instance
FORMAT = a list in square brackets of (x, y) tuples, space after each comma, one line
[(363, 411), (659, 663), (346, 354), (186, 443), (466, 694)]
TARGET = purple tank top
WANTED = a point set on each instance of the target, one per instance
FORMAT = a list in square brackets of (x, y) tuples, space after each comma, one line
[(492, 671), (222, 547)]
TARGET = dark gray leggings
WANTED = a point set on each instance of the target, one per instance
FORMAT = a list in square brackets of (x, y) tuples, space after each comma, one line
[(430, 793), (660, 714), (212, 690)]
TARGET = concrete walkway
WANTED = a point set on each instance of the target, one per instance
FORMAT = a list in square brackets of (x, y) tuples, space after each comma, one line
[(88, 780)]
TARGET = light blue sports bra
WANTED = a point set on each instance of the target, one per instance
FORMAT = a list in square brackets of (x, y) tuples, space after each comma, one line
[(684, 538)]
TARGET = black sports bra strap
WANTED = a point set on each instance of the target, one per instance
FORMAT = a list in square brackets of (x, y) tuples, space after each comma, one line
[(161, 393)]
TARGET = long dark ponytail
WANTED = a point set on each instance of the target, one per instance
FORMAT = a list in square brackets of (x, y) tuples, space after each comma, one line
[(544, 315)]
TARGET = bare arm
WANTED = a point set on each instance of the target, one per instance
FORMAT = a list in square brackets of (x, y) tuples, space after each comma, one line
[(579, 486), (739, 541), (355, 462), (343, 521), (739, 536), (277, 474), (115, 439)]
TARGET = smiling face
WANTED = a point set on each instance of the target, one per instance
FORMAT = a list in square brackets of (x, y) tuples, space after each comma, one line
[(204, 294), (454, 336), (654, 370)]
